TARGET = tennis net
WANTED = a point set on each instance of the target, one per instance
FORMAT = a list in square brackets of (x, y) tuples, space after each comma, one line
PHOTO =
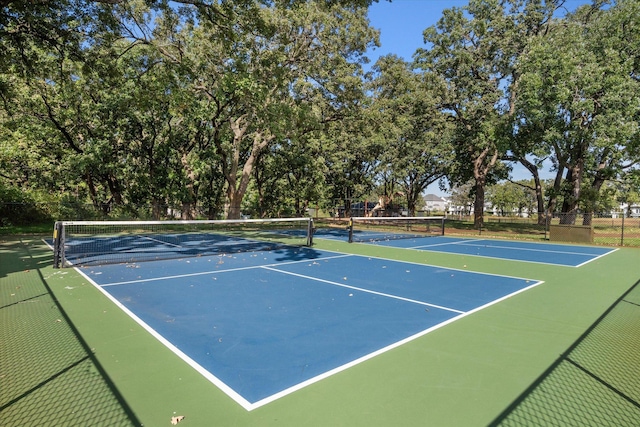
[(108, 242), (372, 229)]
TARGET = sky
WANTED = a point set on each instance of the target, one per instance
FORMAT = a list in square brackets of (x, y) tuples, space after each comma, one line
[(401, 23)]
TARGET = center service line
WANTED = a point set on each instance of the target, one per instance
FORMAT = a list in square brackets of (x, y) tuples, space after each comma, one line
[(363, 290)]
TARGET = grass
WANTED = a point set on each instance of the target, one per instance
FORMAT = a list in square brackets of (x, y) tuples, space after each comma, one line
[(25, 230)]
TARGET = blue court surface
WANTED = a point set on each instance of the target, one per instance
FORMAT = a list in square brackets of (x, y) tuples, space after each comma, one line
[(263, 324), (546, 253)]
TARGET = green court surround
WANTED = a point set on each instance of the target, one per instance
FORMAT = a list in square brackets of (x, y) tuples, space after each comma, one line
[(464, 374)]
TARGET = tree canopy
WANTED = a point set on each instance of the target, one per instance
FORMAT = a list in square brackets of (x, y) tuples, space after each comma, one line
[(266, 107)]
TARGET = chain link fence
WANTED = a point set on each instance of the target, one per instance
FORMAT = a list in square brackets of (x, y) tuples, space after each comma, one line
[(610, 229), (595, 382), (16, 214), (49, 375)]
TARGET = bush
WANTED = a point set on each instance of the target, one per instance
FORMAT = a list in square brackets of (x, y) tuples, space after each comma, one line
[(19, 208)]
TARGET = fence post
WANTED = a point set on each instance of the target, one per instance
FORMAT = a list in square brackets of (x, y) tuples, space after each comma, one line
[(622, 232)]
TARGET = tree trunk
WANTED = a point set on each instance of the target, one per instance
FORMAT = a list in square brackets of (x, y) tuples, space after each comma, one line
[(480, 171), (596, 185), (93, 193), (412, 190), (570, 204), (478, 203), (234, 210), (553, 196), (188, 205), (538, 189), (237, 188), (347, 208), (157, 208)]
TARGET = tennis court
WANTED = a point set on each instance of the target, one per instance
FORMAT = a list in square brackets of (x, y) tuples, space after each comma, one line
[(265, 323), (260, 329)]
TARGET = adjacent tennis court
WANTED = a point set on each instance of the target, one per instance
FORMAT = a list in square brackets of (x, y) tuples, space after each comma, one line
[(545, 253), (428, 234)]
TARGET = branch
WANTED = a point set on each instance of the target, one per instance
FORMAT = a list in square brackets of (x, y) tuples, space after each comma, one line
[(7, 176), (5, 3), (67, 136), (521, 184)]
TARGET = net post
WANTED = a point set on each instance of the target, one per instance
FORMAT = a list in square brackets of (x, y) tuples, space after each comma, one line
[(58, 244), (350, 228), (310, 231)]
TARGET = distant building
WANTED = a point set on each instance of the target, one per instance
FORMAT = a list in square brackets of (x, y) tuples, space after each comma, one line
[(436, 203), (632, 210)]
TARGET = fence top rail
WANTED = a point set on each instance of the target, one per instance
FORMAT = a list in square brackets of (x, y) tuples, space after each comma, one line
[(396, 218)]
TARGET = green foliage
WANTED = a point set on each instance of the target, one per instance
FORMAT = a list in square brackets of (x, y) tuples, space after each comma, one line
[(412, 129), (151, 110), (177, 112), (510, 198), (17, 208), (33, 207), (579, 99), (474, 51)]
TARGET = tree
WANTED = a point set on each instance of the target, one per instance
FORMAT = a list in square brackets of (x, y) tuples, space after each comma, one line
[(274, 83), (579, 91), (475, 50), (33, 33), (350, 152), (509, 197), (66, 113), (412, 129), (289, 177), (462, 198)]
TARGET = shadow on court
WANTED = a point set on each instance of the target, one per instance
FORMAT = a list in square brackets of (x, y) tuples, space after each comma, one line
[(289, 253), (100, 250), (595, 382), (49, 374), (39, 256)]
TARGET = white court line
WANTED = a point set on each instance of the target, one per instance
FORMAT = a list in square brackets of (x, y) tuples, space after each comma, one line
[(204, 273), (443, 267), (380, 351), (195, 365), (459, 242), (493, 257), (599, 256), (342, 285), (160, 241), (505, 259), (474, 242), (531, 249), (248, 406)]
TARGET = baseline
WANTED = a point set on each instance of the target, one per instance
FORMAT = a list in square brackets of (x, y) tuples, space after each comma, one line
[(541, 253)]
